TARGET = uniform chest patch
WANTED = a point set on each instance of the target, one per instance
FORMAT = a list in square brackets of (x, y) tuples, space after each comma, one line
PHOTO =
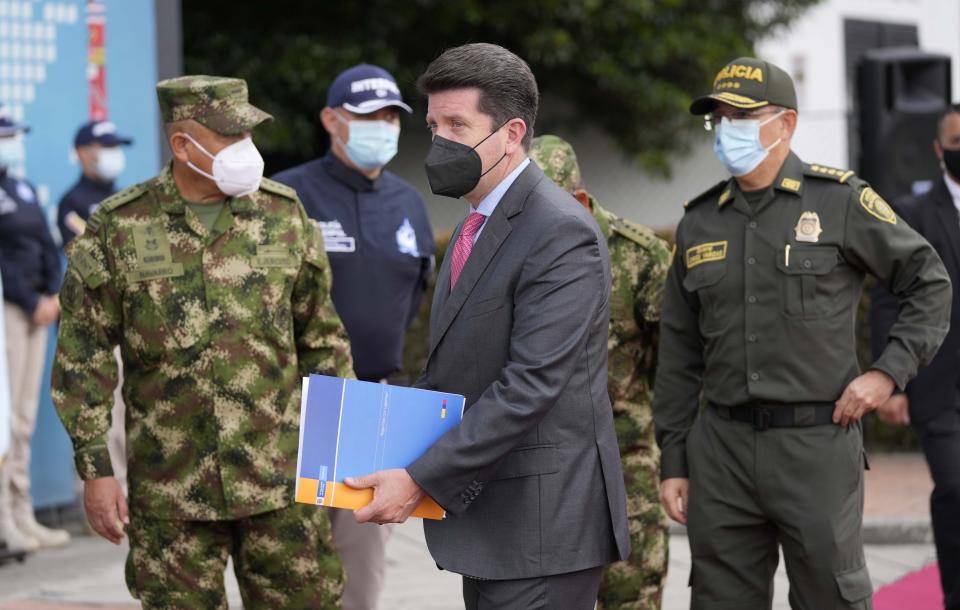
[(25, 192), (876, 206), (276, 256), (706, 253), (407, 239), (808, 228), (335, 238), (153, 248)]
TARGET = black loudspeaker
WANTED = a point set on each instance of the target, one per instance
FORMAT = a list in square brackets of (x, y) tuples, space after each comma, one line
[(901, 93)]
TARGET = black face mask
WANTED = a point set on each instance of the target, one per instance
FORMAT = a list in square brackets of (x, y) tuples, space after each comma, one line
[(951, 161), (454, 169)]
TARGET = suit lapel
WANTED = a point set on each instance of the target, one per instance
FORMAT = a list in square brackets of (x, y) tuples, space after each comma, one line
[(494, 233), (949, 218)]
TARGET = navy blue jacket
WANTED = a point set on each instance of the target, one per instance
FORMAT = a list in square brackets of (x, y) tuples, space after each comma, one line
[(380, 245), (29, 259), (82, 199)]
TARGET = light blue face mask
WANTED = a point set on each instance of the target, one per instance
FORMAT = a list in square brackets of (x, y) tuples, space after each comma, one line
[(12, 152), (371, 144), (738, 144)]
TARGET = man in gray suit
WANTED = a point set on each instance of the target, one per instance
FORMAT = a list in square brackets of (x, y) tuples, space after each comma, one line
[(531, 479)]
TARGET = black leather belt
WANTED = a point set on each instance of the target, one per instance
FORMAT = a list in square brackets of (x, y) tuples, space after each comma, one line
[(765, 416)]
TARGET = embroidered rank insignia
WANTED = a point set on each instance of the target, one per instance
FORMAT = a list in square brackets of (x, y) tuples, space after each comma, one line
[(790, 184), (706, 253), (876, 206), (808, 228)]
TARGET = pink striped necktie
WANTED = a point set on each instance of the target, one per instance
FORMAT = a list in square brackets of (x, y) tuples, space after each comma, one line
[(464, 245)]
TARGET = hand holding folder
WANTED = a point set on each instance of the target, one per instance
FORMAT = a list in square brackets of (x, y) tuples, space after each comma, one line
[(368, 432)]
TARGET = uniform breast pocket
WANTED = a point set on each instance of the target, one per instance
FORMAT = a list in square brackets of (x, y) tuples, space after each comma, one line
[(705, 280), (161, 314), (812, 282)]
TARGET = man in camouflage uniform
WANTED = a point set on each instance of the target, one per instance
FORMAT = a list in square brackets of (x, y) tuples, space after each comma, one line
[(639, 261), (217, 315)]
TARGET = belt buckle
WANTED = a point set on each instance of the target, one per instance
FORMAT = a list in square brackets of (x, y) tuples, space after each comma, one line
[(760, 419)]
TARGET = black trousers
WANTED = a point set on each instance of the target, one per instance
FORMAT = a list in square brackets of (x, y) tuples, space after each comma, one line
[(570, 591), (940, 440)]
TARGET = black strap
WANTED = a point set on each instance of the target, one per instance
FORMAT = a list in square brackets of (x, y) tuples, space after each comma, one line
[(763, 417)]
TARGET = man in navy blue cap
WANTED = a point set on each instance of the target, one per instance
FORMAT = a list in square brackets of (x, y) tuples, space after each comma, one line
[(98, 148), (380, 245), (30, 268)]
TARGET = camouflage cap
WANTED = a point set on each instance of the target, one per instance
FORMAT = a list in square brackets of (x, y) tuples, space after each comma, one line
[(556, 158), (216, 102), (748, 82)]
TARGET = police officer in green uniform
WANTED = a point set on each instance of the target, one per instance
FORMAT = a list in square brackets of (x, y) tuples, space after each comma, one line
[(758, 316), (214, 283)]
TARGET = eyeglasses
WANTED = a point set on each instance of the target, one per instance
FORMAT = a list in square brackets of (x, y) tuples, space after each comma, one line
[(737, 114)]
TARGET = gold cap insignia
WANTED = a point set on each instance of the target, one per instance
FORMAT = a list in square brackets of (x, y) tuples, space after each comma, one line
[(808, 228)]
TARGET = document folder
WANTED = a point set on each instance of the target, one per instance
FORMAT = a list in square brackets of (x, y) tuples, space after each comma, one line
[(351, 428)]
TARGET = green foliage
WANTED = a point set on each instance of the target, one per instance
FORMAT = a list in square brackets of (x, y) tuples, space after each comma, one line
[(628, 66)]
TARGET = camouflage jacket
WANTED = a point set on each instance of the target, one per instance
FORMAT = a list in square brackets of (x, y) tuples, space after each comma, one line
[(639, 261), (215, 330)]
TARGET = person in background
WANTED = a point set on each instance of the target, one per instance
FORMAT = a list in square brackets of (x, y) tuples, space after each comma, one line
[(638, 261), (931, 402), (380, 245), (99, 150), (30, 266)]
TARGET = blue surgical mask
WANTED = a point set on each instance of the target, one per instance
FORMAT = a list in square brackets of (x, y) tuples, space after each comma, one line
[(738, 144), (12, 152), (370, 144)]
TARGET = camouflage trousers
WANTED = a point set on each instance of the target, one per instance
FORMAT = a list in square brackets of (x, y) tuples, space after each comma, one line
[(637, 584), (283, 559)]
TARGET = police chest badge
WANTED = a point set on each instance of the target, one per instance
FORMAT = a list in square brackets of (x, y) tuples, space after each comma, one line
[(808, 228)]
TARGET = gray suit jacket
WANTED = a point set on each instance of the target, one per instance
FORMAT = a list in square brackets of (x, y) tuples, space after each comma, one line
[(531, 479)]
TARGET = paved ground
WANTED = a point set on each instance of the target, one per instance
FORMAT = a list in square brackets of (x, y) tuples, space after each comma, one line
[(89, 573)]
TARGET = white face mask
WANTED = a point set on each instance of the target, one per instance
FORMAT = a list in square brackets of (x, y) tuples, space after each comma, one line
[(12, 152), (110, 163), (237, 169)]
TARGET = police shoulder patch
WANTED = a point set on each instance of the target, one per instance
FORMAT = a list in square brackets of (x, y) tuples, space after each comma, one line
[(274, 187), (710, 193), (828, 173), (876, 206)]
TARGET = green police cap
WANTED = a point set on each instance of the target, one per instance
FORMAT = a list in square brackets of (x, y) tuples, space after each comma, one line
[(215, 102), (556, 158), (748, 82)]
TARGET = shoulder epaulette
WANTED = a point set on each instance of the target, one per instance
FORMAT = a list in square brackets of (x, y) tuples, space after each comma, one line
[(272, 186), (113, 202), (707, 194), (828, 173), (633, 231), (123, 197)]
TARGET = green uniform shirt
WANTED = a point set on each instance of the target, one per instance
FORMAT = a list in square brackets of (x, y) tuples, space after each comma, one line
[(207, 213), (761, 301), (215, 332)]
